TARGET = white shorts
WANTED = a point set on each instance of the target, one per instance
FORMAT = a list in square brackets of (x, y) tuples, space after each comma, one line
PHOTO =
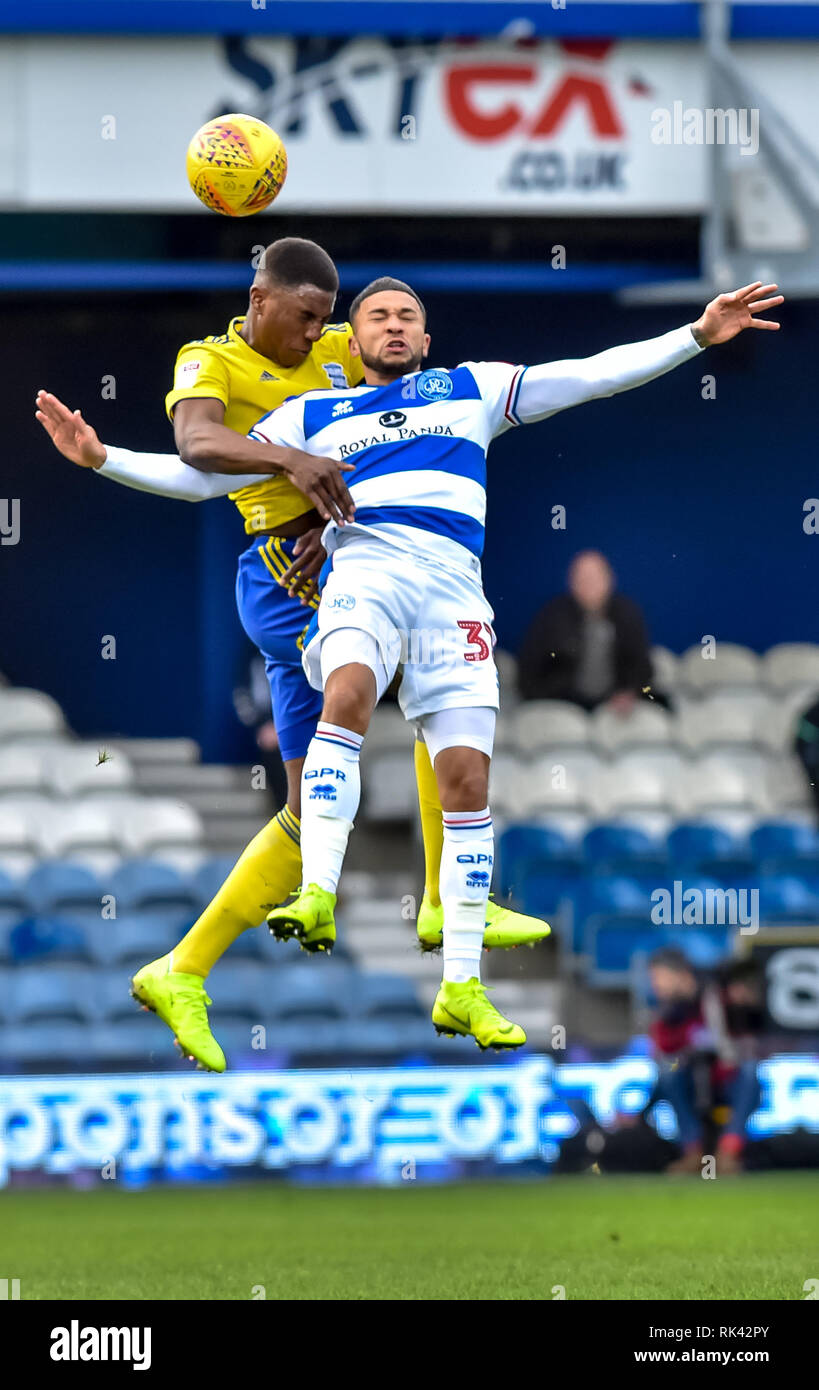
[(433, 624)]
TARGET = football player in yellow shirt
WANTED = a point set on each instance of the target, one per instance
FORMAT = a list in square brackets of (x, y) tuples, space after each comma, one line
[(284, 346)]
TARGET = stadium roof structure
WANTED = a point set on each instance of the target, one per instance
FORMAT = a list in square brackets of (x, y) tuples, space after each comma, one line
[(669, 19)]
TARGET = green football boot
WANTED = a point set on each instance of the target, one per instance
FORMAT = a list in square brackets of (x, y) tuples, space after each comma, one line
[(309, 918), (465, 1009), (504, 929), (181, 1002)]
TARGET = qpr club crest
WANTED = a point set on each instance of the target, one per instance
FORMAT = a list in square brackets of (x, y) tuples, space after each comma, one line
[(434, 385)]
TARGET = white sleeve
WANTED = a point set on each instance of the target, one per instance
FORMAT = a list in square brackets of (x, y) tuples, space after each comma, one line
[(521, 395), (167, 476), (284, 425)]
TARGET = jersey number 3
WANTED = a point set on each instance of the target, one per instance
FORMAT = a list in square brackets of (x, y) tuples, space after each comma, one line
[(474, 636)]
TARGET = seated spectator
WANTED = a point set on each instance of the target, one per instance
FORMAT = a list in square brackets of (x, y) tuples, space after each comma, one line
[(707, 1040), (590, 645)]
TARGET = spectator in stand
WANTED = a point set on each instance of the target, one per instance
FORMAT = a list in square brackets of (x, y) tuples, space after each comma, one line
[(707, 1035), (590, 645)]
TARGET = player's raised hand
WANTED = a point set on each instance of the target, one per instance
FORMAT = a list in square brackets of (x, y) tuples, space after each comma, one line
[(728, 314), (69, 433), (321, 480), (301, 578)]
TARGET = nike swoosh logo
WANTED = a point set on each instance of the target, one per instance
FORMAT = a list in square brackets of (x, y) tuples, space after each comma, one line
[(463, 1021)]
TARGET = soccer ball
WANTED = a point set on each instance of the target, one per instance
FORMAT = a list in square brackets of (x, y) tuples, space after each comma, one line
[(236, 165)]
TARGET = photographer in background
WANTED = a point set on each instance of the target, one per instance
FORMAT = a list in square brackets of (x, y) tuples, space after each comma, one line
[(707, 1035)]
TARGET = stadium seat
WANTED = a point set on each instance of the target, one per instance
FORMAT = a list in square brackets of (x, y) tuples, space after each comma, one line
[(54, 887), (209, 877), (562, 781), (700, 847), (550, 724), (26, 713), (665, 667), (13, 903), (786, 899), (133, 938), (48, 938), (5, 990), (613, 943), (642, 780), (85, 830), (308, 992), (507, 666), (785, 846), (42, 993), (64, 1041), (388, 997), (388, 730), (790, 665), (76, 768), (722, 721), (239, 988), (622, 848), (151, 824), (731, 665), (786, 785), (646, 726), (388, 781), (721, 781), (138, 1039), (140, 883), (525, 847), (21, 770)]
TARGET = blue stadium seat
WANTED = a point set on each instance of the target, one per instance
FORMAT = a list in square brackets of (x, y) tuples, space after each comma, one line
[(48, 938), (5, 993), (210, 876), (139, 1040), (613, 943), (607, 895), (391, 998), (51, 994), (147, 883), (783, 898), (13, 901), (543, 892), (622, 849), (311, 991), (523, 847), (112, 995), (238, 989), (708, 849), (54, 887), (783, 846), (134, 938), (307, 1037), (65, 1040), (387, 1040)]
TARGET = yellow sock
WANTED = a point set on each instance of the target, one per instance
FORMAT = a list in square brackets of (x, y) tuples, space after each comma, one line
[(432, 821), (266, 873)]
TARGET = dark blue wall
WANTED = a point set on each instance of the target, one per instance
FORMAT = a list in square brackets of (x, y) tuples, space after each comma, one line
[(697, 502)]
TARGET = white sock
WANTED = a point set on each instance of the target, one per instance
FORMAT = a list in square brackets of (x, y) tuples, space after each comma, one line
[(330, 793), (466, 876)]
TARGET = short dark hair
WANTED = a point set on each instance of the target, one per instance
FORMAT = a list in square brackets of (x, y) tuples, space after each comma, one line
[(293, 261), (673, 959), (384, 282)]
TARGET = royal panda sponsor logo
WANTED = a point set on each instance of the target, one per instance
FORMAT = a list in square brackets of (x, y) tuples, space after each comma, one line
[(345, 450), (392, 419), (75, 1343)]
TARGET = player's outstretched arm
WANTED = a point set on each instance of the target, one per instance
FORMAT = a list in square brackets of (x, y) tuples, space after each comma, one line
[(543, 390), (163, 474)]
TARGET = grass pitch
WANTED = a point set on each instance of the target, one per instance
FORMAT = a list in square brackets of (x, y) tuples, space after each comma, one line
[(755, 1237)]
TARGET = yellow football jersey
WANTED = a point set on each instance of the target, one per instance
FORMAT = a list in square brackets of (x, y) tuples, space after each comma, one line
[(226, 368)]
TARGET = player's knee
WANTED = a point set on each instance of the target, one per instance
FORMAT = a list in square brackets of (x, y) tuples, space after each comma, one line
[(462, 779), (349, 698)]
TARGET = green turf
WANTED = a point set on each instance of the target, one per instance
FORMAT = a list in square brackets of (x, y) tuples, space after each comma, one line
[(601, 1238)]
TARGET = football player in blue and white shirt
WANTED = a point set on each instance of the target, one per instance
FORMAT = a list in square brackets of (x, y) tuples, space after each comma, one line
[(404, 588)]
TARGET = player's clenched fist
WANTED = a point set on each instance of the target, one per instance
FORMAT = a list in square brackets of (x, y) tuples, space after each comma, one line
[(69, 433), (728, 314)]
